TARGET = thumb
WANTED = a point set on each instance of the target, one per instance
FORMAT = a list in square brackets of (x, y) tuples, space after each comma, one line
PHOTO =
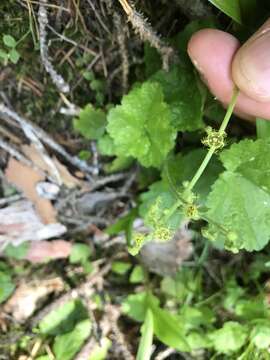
[(251, 65)]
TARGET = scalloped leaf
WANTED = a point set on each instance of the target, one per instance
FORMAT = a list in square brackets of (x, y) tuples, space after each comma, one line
[(91, 122), (239, 203), (141, 126), (184, 96)]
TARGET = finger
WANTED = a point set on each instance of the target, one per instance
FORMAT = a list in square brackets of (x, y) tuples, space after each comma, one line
[(251, 65), (212, 52)]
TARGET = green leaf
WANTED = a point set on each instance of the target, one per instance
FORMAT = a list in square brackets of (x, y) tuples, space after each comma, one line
[(91, 122), (258, 266), (101, 352), (96, 85), (17, 252), (14, 56), (141, 124), (79, 253), (198, 340), (251, 309), (84, 155), (181, 168), (3, 55), (214, 110), (9, 41), (137, 275), (253, 14), (239, 208), (135, 305), (185, 285), (88, 267), (67, 345), (160, 191), (194, 317), (230, 338), (249, 158), (147, 330), (172, 288), (88, 75), (63, 318), (6, 286), (230, 8), (120, 267), (263, 128), (124, 224), (183, 94), (120, 163), (182, 39), (152, 60), (232, 295), (260, 335), (146, 177), (239, 204), (106, 146), (168, 327)]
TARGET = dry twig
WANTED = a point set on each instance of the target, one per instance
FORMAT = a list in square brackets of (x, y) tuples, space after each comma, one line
[(43, 22), (12, 151), (121, 39), (119, 337), (146, 33), (195, 9), (45, 138)]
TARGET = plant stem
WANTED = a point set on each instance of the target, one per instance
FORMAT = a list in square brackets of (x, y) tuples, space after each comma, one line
[(229, 110), (172, 210), (211, 150)]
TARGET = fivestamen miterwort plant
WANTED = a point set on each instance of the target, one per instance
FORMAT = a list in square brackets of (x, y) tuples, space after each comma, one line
[(187, 200)]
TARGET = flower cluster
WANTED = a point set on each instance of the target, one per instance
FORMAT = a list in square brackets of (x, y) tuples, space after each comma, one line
[(214, 139)]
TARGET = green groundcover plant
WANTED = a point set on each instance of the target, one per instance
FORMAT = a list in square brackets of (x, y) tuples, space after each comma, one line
[(214, 179), (194, 169), (222, 182)]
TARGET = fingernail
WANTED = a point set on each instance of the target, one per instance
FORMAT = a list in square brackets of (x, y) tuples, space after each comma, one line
[(200, 71), (197, 66), (254, 64)]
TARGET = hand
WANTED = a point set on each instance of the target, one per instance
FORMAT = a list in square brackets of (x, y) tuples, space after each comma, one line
[(222, 63)]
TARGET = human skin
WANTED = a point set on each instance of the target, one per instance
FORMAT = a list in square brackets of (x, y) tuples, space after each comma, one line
[(224, 64)]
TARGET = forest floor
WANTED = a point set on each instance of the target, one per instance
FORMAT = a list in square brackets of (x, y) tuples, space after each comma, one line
[(65, 271)]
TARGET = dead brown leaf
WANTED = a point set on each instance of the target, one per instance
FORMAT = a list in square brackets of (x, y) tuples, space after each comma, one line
[(28, 296), (44, 250), (68, 180), (26, 179), (31, 152)]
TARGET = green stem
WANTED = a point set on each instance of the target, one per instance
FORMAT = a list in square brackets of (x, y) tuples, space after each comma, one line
[(23, 37), (211, 150), (201, 169), (172, 210)]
